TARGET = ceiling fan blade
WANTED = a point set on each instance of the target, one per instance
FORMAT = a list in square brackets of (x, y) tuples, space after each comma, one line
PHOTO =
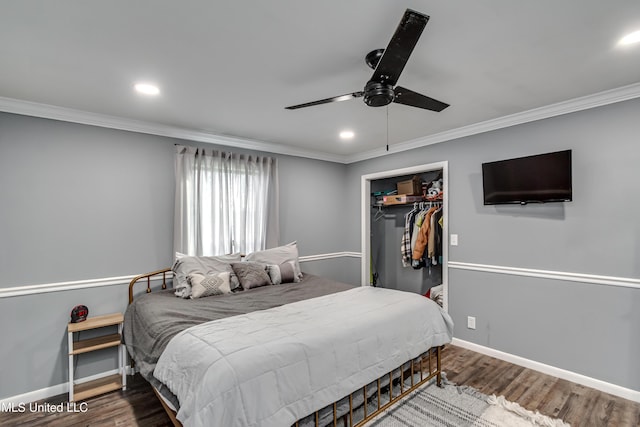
[(415, 99), (400, 46), (345, 97)]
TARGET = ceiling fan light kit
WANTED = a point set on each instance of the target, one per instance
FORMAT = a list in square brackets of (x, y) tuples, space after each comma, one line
[(388, 65), (373, 58)]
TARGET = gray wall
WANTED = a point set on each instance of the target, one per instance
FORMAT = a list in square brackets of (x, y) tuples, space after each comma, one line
[(81, 202), (585, 328)]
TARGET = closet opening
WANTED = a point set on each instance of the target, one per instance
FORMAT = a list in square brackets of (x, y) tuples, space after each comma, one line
[(391, 202)]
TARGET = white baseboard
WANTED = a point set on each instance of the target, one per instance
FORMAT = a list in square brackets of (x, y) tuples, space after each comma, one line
[(47, 392), (574, 377)]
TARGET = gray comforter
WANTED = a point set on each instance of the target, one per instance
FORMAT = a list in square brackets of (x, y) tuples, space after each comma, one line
[(272, 367), (153, 319)]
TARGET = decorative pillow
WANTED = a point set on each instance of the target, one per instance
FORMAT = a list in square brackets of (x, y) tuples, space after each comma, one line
[(234, 283), (210, 285), (251, 274), (284, 273), (204, 265), (277, 256)]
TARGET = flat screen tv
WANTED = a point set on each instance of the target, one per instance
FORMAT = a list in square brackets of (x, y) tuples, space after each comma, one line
[(533, 179)]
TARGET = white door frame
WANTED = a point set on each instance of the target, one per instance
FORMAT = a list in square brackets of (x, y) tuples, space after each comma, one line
[(366, 219)]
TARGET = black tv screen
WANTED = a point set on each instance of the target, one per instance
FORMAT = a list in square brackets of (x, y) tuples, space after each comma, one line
[(532, 179)]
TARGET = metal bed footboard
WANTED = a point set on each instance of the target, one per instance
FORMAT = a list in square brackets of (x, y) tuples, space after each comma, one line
[(388, 390)]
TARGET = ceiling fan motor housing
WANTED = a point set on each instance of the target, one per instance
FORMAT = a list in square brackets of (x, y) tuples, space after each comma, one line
[(378, 94)]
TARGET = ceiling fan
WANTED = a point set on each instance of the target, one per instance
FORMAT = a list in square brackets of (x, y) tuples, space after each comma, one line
[(388, 65)]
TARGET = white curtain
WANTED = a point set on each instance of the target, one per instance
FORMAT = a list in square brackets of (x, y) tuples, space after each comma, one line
[(225, 202)]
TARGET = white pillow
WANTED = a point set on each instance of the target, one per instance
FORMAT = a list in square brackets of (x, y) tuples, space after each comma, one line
[(287, 272), (204, 265), (277, 256)]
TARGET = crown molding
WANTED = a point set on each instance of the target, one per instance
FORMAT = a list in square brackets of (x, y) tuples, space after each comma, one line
[(46, 111), (26, 108), (599, 99)]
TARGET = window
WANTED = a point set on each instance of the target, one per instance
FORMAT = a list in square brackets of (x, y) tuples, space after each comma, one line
[(225, 202)]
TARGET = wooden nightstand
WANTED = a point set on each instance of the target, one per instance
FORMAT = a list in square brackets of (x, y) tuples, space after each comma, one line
[(102, 385)]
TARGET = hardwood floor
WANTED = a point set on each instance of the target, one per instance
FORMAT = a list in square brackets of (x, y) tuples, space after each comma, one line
[(137, 406), (575, 404)]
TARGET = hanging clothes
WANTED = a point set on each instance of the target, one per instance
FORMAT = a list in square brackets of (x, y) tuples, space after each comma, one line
[(422, 237), (439, 230), (422, 240), (405, 245), (431, 239), (434, 247)]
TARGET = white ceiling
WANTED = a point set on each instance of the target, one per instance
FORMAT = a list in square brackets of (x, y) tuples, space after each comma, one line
[(229, 68)]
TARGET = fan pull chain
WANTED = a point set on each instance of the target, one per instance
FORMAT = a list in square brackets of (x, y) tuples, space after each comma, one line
[(387, 128)]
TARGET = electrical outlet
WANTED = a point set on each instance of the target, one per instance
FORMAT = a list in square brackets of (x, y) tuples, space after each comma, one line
[(471, 322), (454, 240)]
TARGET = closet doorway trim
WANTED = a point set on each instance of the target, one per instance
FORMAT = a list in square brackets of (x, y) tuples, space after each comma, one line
[(365, 233)]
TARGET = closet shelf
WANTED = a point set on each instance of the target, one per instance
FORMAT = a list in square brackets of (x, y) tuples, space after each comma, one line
[(392, 205)]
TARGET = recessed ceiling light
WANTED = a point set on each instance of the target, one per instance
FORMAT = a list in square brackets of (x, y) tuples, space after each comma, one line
[(147, 89), (346, 134), (630, 38)]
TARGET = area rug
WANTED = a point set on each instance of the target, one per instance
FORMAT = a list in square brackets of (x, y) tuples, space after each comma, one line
[(459, 406)]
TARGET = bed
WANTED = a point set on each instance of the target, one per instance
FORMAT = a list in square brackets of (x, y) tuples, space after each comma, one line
[(308, 353)]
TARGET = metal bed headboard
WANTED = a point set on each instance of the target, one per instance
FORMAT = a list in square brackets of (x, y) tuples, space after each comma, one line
[(149, 277)]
